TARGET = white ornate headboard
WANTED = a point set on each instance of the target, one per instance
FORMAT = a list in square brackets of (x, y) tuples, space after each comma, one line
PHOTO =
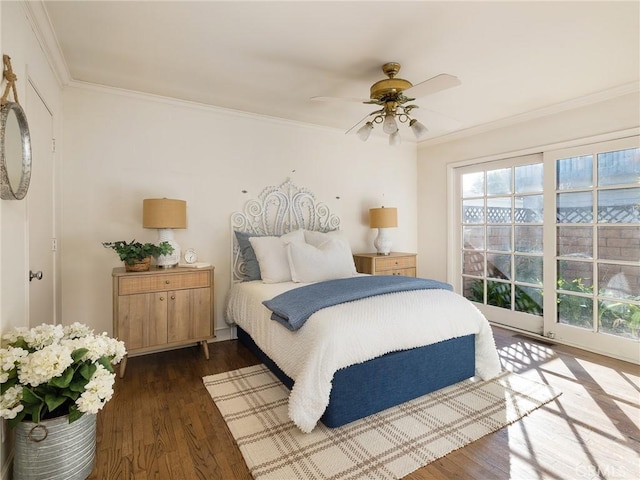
[(276, 211)]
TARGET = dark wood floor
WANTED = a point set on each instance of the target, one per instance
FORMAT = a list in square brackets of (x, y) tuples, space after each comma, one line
[(162, 424)]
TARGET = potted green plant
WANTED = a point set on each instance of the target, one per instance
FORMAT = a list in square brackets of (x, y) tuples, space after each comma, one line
[(137, 256)]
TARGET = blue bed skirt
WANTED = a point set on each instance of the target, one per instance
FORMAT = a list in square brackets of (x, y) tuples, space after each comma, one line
[(383, 382)]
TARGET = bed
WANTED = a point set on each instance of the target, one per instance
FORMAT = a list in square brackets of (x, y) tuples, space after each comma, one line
[(352, 359)]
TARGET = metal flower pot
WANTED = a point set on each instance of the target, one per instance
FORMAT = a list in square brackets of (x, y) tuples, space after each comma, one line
[(55, 449)]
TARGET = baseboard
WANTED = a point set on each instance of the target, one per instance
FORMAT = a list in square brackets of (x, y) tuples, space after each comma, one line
[(227, 332)]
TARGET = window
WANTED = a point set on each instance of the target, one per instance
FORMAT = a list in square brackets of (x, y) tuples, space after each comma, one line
[(550, 243), (598, 242), (502, 235)]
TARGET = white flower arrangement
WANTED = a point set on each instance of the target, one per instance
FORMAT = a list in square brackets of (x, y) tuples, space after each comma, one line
[(50, 371)]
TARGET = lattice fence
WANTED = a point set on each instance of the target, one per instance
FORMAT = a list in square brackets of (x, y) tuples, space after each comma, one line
[(613, 214)]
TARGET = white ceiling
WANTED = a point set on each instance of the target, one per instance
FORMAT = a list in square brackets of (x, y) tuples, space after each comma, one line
[(514, 58)]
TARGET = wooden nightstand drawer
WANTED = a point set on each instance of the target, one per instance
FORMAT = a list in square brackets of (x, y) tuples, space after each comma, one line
[(158, 283), (406, 272), (396, 263), (391, 263)]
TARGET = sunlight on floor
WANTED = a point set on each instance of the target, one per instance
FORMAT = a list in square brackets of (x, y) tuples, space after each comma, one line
[(605, 429)]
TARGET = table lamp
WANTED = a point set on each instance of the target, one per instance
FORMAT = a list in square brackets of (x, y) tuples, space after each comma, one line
[(165, 214), (383, 219)]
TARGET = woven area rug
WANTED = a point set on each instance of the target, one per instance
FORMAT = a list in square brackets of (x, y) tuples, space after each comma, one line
[(387, 445)]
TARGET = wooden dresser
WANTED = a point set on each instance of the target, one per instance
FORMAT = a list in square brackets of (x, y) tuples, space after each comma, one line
[(162, 308), (396, 263)]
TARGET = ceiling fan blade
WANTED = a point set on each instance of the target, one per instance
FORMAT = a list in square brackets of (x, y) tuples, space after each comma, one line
[(433, 85), (339, 99), (359, 122)]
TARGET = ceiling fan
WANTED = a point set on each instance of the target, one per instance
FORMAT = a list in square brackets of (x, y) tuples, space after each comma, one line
[(392, 94)]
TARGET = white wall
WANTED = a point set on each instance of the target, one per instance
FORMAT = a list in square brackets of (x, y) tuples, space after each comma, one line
[(612, 115), (120, 148), (29, 63)]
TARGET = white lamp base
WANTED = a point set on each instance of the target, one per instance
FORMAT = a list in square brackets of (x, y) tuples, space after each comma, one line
[(383, 242), (168, 261)]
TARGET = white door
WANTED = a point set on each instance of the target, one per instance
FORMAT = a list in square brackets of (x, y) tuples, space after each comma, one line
[(499, 236), (40, 212), (593, 293)]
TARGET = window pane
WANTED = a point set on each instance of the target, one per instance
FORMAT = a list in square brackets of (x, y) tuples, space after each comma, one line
[(619, 243), (575, 172), (619, 318), (473, 238), (528, 239), (528, 209), (499, 210), (499, 266), (575, 276), (499, 294), (499, 238), (621, 205), (528, 178), (619, 281), (576, 311), (473, 184), (621, 167), (528, 269), (575, 242), (499, 181), (473, 211), (574, 207), (473, 263), (529, 300), (473, 289)]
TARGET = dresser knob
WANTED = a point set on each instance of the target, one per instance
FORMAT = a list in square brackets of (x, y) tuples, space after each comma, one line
[(167, 282), (162, 299), (173, 297)]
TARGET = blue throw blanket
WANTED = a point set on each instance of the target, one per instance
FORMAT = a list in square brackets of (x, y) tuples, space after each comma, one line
[(294, 307)]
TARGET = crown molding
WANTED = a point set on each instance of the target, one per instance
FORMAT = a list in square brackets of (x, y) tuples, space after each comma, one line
[(619, 91), (152, 97), (43, 30)]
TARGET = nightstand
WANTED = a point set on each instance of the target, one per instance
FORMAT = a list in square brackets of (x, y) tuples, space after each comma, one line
[(162, 308), (396, 263)]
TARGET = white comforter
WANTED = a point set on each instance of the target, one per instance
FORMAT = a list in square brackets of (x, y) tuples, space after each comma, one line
[(354, 332)]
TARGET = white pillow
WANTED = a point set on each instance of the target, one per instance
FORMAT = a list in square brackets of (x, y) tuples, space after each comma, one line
[(271, 254), (328, 261), (318, 238)]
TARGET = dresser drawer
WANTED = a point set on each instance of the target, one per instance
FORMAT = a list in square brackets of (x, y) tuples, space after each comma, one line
[(395, 263), (158, 283)]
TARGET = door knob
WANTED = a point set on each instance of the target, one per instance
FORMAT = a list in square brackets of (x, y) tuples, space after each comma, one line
[(37, 275)]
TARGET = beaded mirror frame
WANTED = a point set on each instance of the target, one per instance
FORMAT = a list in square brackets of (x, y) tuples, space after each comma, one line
[(278, 210)]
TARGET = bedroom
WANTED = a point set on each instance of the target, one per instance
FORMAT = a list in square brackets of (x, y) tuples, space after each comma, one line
[(116, 147)]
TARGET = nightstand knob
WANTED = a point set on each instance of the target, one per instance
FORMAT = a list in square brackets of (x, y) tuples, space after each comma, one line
[(173, 297), (167, 282), (162, 299)]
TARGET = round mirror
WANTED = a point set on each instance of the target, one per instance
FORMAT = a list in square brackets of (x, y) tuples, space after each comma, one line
[(15, 152)]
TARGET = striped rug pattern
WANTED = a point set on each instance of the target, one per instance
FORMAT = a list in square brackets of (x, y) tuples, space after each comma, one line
[(387, 445)]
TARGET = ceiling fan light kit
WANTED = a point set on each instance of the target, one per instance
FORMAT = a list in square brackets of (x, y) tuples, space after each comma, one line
[(390, 95)]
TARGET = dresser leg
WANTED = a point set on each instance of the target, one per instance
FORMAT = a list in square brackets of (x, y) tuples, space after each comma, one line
[(205, 349), (123, 366)]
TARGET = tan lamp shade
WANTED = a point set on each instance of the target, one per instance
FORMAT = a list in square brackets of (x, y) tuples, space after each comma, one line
[(383, 217), (164, 213)]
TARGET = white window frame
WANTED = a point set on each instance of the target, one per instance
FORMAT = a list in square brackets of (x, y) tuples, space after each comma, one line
[(605, 344), (502, 316), (590, 339)]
